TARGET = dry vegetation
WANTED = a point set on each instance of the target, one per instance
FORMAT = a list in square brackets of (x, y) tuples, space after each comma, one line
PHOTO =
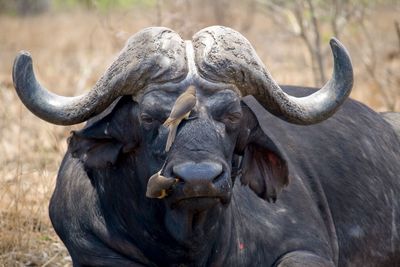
[(71, 48)]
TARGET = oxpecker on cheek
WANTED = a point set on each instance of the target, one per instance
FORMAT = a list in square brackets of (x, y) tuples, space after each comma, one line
[(181, 110)]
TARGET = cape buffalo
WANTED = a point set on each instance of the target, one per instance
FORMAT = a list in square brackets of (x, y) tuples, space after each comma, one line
[(312, 189)]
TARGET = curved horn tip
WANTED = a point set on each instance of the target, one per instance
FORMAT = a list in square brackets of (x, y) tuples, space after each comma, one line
[(336, 46), (340, 52), (22, 59), (334, 41), (24, 52)]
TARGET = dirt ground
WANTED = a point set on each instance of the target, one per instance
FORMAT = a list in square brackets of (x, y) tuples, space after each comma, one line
[(72, 48)]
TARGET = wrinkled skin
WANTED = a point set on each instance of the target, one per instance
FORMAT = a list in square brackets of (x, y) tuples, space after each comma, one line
[(340, 207)]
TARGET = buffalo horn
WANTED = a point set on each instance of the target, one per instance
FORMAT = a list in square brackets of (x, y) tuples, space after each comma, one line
[(153, 55), (224, 55)]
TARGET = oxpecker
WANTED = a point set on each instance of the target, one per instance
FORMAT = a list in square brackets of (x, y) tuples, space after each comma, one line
[(181, 110), (158, 185)]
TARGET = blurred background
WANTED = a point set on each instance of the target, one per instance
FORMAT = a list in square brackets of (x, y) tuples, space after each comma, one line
[(72, 42)]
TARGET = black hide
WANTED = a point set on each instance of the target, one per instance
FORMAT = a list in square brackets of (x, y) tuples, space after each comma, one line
[(340, 206)]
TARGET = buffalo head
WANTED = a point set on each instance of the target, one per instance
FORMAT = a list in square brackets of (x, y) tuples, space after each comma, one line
[(223, 138)]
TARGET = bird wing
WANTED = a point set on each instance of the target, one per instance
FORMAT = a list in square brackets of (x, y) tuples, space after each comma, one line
[(183, 105)]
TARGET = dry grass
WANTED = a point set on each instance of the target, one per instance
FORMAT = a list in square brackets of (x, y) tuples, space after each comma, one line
[(70, 51)]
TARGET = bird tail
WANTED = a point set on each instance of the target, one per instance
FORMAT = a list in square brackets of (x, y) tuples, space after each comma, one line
[(171, 136)]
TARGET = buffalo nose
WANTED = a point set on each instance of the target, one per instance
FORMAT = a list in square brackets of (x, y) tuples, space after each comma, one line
[(198, 173)]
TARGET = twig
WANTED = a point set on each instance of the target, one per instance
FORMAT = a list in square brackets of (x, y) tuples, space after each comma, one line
[(51, 259), (159, 12), (397, 26), (317, 43)]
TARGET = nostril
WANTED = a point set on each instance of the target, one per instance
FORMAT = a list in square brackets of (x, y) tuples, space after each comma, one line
[(198, 172), (217, 178)]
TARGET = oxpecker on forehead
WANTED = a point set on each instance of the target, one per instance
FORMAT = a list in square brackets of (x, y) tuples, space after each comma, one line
[(181, 110)]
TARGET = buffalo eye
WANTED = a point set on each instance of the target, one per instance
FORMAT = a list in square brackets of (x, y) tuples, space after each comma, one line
[(146, 120), (232, 119)]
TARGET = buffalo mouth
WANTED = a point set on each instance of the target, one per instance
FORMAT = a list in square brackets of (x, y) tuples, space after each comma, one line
[(185, 197), (198, 203)]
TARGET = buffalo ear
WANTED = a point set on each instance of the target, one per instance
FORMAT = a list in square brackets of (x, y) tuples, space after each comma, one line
[(94, 153), (264, 165), (105, 138), (264, 172)]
